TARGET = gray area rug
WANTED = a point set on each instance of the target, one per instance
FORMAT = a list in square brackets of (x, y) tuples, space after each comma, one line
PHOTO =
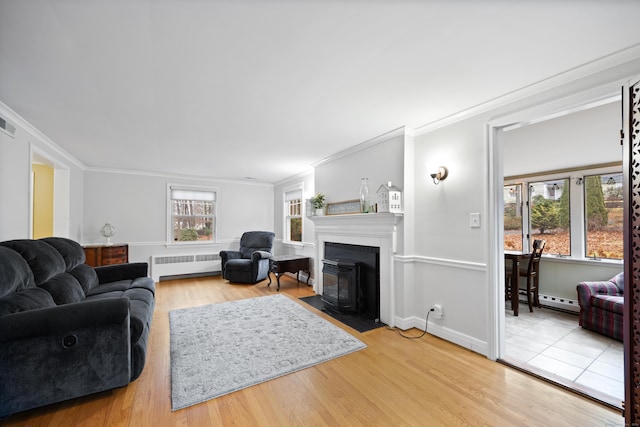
[(221, 348)]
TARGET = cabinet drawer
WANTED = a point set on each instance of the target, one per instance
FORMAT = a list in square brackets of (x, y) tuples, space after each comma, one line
[(112, 261), (97, 255), (114, 252)]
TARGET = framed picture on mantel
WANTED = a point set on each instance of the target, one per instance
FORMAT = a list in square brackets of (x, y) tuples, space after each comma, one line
[(344, 208)]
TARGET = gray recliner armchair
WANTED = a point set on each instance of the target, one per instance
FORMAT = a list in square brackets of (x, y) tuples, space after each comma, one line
[(252, 261)]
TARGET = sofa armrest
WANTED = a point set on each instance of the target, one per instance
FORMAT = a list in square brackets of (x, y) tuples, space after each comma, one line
[(116, 272), (258, 255), (58, 353), (587, 289), (63, 318), (227, 255)]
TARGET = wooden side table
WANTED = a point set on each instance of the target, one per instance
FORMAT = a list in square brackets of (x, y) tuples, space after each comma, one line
[(98, 255), (281, 264)]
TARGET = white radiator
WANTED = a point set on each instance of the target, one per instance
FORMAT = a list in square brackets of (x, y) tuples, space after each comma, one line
[(559, 302), (173, 265)]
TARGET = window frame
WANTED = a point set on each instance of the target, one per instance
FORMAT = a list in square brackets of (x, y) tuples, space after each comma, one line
[(585, 208), (520, 205), (169, 212), (550, 191), (286, 225), (576, 176)]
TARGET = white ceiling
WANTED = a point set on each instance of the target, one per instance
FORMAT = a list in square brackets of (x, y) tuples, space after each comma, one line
[(235, 89)]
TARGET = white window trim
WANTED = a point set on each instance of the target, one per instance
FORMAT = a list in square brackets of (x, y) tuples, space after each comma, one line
[(169, 222), (285, 213)]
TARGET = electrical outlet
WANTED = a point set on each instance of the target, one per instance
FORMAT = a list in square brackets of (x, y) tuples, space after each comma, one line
[(437, 311)]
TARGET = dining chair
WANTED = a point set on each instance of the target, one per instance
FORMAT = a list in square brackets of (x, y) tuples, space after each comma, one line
[(532, 273)]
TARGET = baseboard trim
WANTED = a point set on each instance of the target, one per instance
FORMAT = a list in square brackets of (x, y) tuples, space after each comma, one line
[(446, 334)]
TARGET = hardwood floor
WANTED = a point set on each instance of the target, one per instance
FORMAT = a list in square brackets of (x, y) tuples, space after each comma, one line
[(393, 382)]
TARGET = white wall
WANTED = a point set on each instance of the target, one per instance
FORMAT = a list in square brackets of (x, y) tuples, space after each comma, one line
[(450, 257), (381, 161), (14, 186), (136, 204), (587, 137), (457, 266), (15, 180)]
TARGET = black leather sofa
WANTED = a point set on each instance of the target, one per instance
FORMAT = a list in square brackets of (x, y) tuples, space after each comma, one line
[(68, 329)]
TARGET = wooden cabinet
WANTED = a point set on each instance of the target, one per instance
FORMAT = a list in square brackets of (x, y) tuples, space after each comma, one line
[(98, 255)]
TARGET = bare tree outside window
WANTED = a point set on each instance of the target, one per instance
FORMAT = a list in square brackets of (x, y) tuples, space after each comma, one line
[(294, 220), (192, 215)]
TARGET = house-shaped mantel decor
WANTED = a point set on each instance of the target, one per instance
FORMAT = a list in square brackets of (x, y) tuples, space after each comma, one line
[(389, 198)]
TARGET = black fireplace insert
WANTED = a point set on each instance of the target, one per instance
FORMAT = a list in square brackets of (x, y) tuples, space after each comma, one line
[(341, 285), (368, 288)]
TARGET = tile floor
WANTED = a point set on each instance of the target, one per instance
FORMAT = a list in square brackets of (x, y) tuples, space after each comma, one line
[(552, 344)]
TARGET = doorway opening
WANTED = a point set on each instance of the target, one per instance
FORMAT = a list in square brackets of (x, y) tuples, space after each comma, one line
[(50, 196), (527, 157)]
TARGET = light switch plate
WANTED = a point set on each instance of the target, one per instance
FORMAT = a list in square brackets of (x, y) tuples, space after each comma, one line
[(474, 220)]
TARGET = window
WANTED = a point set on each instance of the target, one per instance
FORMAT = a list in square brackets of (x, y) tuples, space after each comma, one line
[(513, 217), (549, 215), (192, 215), (603, 208), (293, 215), (579, 216)]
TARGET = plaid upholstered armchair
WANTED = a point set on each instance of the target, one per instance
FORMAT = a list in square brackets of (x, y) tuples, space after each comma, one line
[(601, 306)]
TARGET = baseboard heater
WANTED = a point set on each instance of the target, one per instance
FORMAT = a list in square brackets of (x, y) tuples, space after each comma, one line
[(176, 265), (560, 303)]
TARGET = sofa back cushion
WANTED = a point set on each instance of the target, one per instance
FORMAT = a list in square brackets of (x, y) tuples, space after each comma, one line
[(86, 276), (252, 241), (15, 274), (64, 288), (618, 280), (71, 251), (43, 260), (74, 258)]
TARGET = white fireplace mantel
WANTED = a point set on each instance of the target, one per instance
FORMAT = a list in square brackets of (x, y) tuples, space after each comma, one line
[(377, 230)]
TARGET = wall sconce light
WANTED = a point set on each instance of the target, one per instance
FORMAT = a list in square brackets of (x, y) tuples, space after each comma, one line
[(441, 175)]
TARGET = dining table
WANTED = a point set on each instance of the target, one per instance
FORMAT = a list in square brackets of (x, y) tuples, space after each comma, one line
[(515, 257)]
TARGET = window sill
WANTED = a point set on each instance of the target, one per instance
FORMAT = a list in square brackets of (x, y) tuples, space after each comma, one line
[(294, 244), (589, 261), (191, 244)]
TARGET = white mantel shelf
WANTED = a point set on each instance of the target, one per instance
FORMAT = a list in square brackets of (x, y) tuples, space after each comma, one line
[(378, 224), (377, 230), (374, 217)]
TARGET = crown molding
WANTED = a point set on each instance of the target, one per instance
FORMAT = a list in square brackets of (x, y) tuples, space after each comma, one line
[(298, 176), (24, 125), (363, 145), (618, 62), (176, 176)]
